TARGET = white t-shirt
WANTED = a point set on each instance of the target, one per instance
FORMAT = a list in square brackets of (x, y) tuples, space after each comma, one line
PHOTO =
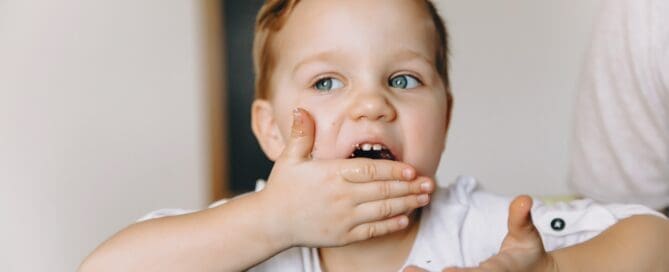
[(464, 226), (621, 134)]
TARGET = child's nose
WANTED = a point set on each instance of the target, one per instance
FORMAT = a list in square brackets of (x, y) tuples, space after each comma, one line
[(372, 106)]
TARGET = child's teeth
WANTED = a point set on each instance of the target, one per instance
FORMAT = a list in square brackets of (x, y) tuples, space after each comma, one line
[(377, 147), (367, 147)]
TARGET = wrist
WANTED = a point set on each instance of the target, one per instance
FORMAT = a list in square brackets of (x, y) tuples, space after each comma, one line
[(273, 221)]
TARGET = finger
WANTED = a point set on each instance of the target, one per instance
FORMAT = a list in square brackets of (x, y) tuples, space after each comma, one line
[(379, 190), (301, 141), (382, 209), (412, 268), (520, 219), (364, 170), (375, 229)]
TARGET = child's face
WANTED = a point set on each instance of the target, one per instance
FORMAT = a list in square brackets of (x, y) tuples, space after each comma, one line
[(365, 70)]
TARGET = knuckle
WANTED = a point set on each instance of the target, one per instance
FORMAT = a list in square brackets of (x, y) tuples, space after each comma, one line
[(369, 170), (385, 189), (371, 232), (337, 196), (385, 209)]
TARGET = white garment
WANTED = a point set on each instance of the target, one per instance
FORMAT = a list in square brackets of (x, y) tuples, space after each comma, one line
[(463, 226), (621, 136)]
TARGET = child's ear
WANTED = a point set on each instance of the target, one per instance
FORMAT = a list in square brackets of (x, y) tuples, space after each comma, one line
[(449, 115), (449, 109), (265, 128)]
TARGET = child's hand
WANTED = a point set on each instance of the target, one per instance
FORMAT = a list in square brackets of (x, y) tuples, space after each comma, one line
[(522, 249), (323, 203)]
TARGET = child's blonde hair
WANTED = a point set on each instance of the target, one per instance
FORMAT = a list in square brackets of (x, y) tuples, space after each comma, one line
[(274, 13)]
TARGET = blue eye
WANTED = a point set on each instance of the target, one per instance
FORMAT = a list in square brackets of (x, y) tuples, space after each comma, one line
[(404, 82), (328, 84)]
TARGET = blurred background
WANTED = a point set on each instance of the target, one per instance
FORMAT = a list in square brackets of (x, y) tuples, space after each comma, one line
[(111, 109)]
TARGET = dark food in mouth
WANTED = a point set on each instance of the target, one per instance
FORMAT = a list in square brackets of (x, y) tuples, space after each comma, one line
[(373, 154)]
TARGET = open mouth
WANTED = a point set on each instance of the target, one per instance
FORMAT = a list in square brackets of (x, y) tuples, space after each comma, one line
[(372, 151)]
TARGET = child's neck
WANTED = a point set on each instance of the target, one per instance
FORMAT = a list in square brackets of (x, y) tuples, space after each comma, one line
[(385, 253)]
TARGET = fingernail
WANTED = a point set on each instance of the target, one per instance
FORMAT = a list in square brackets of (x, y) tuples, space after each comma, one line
[(407, 173), (296, 130), (426, 186), (403, 222), (422, 199)]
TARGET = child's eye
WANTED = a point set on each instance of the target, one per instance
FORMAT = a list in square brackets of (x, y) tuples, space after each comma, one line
[(404, 82), (328, 84)]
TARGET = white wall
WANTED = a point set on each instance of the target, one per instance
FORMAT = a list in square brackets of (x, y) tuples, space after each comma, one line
[(101, 120), (515, 67)]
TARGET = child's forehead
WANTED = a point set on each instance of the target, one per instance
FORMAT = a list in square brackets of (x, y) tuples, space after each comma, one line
[(376, 15), (334, 28)]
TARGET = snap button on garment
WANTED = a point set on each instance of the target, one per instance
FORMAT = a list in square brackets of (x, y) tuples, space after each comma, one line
[(557, 224)]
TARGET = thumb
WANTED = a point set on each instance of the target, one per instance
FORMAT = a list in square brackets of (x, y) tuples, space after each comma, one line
[(301, 141), (520, 223)]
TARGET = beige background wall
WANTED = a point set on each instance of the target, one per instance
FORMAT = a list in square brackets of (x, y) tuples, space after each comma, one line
[(102, 112), (101, 120), (515, 70)]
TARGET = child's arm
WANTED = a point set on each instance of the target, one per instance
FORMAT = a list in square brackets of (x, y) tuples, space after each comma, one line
[(231, 237), (637, 243), (306, 202)]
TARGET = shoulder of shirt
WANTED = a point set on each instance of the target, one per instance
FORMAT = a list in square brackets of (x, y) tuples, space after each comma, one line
[(467, 192), (466, 206)]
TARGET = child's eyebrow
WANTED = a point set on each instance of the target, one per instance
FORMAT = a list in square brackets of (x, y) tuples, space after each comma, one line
[(402, 55), (410, 55), (322, 56)]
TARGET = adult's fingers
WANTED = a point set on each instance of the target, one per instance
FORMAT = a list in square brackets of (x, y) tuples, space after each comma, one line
[(364, 170), (382, 209), (379, 190), (301, 141)]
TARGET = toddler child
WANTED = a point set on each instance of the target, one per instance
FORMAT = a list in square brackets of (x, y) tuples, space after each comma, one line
[(353, 104)]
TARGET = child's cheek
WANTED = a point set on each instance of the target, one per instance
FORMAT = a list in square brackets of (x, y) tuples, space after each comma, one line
[(426, 136), (326, 132), (324, 144)]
